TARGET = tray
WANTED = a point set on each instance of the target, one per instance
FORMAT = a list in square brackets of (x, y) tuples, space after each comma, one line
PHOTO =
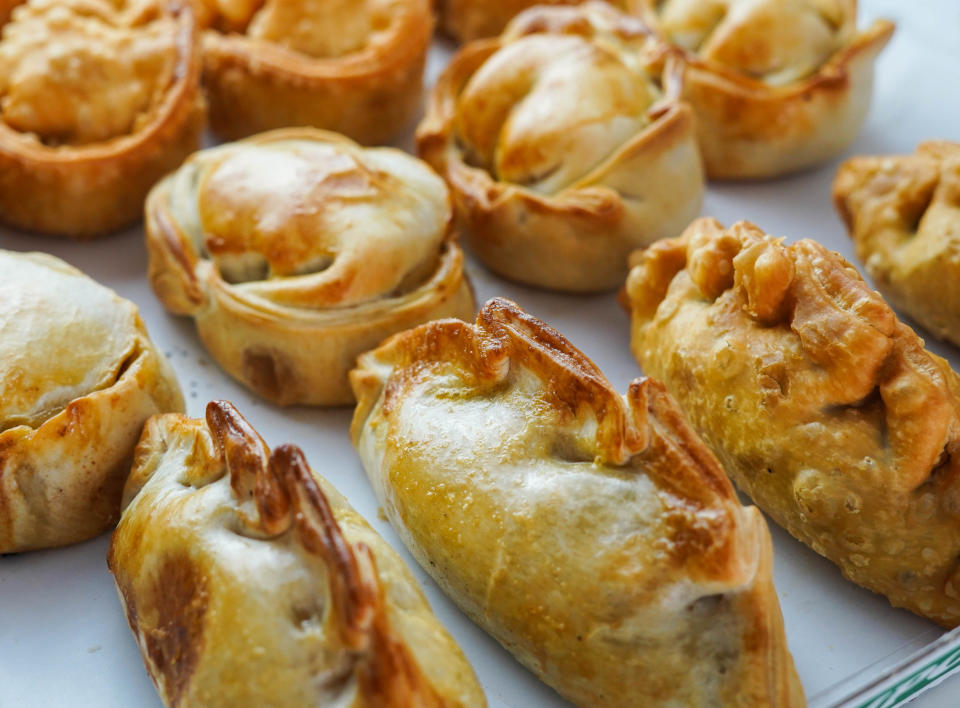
[(63, 637)]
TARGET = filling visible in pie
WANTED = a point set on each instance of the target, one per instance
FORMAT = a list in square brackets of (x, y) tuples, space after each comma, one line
[(74, 72)]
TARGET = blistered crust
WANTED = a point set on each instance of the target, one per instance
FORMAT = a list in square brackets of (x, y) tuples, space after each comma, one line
[(347, 66), (822, 406), (592, 534), (218, 533), (903, 213), (776, 85), (297, 250), (565, 146), (98, 100), (79, 377), (466, 20)]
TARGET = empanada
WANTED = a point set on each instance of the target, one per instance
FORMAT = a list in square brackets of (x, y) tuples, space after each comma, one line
[(776, 85), (904, 216), (353, 66), (249, 581), (78, 378), (821, 405), (593, 535), (98, 100), (297, 250), (466, 20), (565, 146)]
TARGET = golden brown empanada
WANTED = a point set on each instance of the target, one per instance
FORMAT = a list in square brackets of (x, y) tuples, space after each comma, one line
[(777, 85), (98, 100), (353, 66), (297, 250), (78, 378), (904, 216), (564, 146), (592, 534), (466, 20), (821, 405), (250, 581)]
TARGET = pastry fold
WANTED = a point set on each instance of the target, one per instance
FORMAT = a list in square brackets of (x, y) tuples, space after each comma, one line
[(98, 100), (593, 535), (248, 580), (776, 85), (565, 146), (78, 378), (821, 405), (351, 66), (297, 250), (466, 20), (903, 213)]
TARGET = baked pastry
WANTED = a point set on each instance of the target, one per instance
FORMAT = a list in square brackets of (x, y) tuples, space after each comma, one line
[(821, 406), (98, 100), (777, 85), (290, 278), (248, 580), (466, 20), (349, 66), (78, 378), (564, 146), (593, 535), (904, 216)]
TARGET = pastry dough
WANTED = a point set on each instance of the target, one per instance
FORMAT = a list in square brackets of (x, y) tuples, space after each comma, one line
[(777, 85), (78, 378), (353, 66), (98, 100), (250, 581), (297, 250), (561, 147), (593, 535), (823, 407), (465, 20), (904, 216)]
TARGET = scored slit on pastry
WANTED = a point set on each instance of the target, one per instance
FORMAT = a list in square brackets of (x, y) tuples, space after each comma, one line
[(823, 407)]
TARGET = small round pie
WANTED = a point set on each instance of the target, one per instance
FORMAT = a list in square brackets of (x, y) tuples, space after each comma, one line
[(466, 20), (78, 379), (353, 66), (98, 100), (565, 145), (777, 85), (298, 250)]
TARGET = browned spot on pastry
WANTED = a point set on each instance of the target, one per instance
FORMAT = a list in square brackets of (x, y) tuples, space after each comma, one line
[(267, 373)]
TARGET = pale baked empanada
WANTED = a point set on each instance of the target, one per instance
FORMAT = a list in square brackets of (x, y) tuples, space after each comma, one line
[(564, 146), (98, 100), (823, 407), (78, 378), (465, 20), (353, 66), (904, 216), (249, 581), (297, 250), (777, 85), (592, 534)]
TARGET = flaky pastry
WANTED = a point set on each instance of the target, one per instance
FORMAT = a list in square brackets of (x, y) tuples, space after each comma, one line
[(593, 535), (904, 216), (78, 378), (297, 250), (563, 147), (821, 405), (353, 66), (98, 100), (248, 580), (466, 20), (776, 85)]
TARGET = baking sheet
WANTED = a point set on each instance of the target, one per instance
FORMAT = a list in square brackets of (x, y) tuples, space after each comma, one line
[(63, 637)]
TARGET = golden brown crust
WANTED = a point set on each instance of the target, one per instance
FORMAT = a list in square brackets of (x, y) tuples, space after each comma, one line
[(181, 581), (86, 186), (776, 86), (822, 406), (561, 149), (903, 213), (259, 77), (592, 534), (290, 278), (467, 20)]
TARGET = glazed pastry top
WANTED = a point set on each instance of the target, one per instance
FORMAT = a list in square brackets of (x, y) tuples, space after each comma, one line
[(85, 71)]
